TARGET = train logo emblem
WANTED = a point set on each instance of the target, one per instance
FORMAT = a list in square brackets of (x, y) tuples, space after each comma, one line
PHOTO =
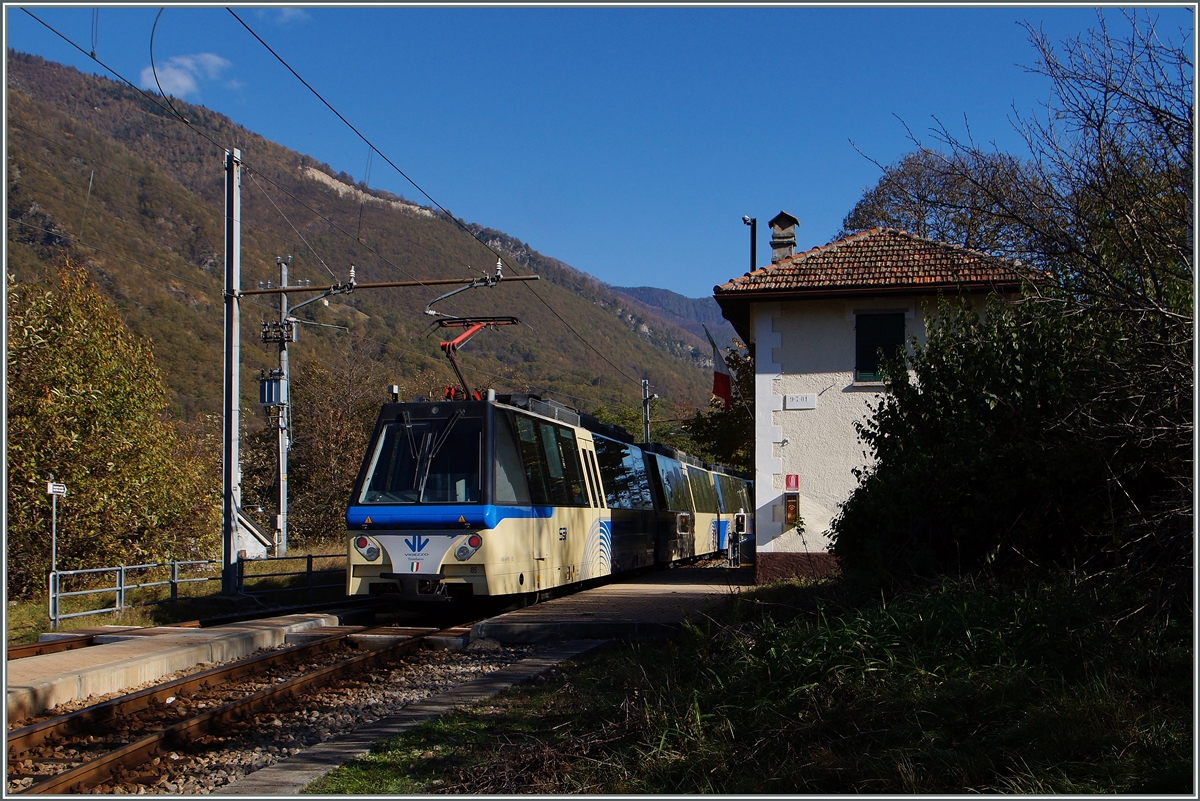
[(416, 567), (416, 544)]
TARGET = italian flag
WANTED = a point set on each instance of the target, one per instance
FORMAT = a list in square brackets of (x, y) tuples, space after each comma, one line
[(722, 386)]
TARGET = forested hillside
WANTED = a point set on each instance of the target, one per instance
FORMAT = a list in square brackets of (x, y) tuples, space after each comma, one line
[(137, 195)]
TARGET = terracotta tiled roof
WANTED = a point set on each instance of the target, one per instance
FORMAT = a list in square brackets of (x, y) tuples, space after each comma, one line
[(879, 260)]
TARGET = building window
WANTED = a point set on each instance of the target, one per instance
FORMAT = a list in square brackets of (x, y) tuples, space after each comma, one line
[(877, 336)]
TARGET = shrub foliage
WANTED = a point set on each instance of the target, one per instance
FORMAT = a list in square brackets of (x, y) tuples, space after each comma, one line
[(86, 405)]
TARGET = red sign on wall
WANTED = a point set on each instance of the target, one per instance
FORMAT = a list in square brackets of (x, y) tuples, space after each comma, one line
[(791, 482)]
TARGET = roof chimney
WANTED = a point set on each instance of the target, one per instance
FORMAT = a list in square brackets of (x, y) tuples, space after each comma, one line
[(783, 236)]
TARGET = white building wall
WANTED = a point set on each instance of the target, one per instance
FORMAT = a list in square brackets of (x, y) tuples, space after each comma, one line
[(768, 522), (807, 348)]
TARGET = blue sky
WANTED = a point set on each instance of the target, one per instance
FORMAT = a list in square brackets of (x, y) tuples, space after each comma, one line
[(625, 141)]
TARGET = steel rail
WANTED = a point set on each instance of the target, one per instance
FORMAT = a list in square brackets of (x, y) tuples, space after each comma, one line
[(106, 767), (49, 647), (29, 737)]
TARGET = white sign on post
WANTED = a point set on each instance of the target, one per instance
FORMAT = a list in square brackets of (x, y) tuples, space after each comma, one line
[(53, 488)]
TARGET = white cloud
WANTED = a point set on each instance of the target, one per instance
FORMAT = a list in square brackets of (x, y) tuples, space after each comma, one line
[(282, 16), (179, 75)]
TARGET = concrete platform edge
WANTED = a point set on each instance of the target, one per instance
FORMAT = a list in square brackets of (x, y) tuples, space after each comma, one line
[(292, 775), (46, 692)]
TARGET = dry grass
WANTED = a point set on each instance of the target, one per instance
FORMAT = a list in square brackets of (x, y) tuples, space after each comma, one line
[(811, 689)]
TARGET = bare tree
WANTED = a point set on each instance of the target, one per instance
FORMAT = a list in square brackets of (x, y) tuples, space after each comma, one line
[(928, 194), (1103, 206)]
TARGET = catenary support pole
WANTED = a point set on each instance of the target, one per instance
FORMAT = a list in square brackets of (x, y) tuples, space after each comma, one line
[(645, 410), (287, 331), (231, 462)]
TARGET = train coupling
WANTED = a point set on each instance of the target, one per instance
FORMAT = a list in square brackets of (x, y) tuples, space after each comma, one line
[(427, 587)]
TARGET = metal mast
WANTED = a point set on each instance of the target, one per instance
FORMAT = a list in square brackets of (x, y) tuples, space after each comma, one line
[(231, 494), (288, 332)]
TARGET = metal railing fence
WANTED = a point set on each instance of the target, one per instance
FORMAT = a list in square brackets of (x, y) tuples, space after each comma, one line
[(309, 573), (123, 575), (129, 578)]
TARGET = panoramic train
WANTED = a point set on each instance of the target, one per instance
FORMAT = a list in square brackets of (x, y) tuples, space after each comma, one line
[(514, 496)]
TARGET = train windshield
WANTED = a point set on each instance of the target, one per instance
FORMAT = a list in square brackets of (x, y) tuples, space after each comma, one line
[(426, 461)]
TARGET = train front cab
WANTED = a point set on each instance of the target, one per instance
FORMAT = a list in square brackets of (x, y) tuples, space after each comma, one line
[(475, 499)]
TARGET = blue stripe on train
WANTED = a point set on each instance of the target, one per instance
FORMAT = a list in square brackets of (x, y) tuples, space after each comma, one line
[(451, 517)]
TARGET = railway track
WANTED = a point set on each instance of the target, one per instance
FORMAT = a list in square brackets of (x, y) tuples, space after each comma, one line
[(105, 742), (70, 643), (50, 647)]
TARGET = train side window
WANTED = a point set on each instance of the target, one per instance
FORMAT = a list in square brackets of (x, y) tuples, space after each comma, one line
[(599, 484), (623, 475), (728, 493), (589, 479), (640, 495), (702, 489), (512, 485), (535, 461), (589, 461), (556, 479), (675, 490), (572, 468)]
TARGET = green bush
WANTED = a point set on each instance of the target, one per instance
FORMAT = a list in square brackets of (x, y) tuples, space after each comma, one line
[(974, 466)]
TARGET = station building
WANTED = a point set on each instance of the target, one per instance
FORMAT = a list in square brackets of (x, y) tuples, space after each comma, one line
[(815, 323)]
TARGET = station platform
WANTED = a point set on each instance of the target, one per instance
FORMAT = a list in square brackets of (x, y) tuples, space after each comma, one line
[(651, 605), (129, 657)]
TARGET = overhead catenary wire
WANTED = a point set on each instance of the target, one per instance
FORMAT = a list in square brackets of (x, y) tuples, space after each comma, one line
[(222, 147), (406, 177), (289, 222), (116, 218), (192, 127), (77, 241), (197, 131), (154, 69)]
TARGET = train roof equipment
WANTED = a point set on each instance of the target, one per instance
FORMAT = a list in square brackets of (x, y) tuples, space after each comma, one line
[(473, 326)]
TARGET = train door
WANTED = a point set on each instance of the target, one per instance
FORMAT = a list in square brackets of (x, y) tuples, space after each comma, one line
[(591, 555), (674, 514), (559, 544), (532, 547)]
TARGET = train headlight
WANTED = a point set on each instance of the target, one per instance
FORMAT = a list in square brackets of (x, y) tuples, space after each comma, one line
[(367, 547), (465, 551)]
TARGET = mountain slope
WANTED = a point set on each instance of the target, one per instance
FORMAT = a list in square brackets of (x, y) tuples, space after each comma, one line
[(690, 314), (140, 195)]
